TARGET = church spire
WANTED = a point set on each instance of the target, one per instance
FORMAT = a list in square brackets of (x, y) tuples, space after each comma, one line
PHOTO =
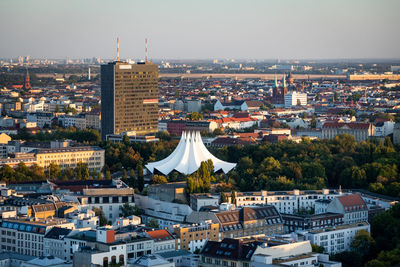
[(276, 82), (27, 83), (284, 81)]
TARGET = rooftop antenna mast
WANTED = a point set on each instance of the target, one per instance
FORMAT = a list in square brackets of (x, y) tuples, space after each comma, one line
[(145, 41), (117, 48)]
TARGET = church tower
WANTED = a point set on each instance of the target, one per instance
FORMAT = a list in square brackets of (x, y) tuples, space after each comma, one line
[(27, 83)]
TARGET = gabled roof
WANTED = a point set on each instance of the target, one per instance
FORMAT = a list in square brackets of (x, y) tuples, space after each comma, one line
[(343, 124), (233, 249), (352, 202), (160, 235), (57, 233)]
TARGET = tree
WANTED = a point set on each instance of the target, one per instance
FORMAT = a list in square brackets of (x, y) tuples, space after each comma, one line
[(7, 173), (124, 175), (218, 131), (233, 197), (313, 122), (317, 249), (54, 170), (348, 259), (153, 223), (200, 181), (127, 210), (108, 175), (362, 242), (159, 179), (140, 180), (57, 108), (102, 218), (125, 139), (132, 179), (223, 198), (194, 116)]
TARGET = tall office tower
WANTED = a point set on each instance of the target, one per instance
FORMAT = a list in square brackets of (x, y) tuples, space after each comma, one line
[(129, 98)]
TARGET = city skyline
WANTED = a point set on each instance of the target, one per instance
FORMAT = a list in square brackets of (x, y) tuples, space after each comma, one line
[(177, 30)]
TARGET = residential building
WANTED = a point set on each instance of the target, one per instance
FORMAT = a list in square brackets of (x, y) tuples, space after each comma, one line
[(294, 98), (248, 221), (107, 246), (151, 260), (163, 240), (336, 239), (93, 120), (295, 222), (248, 198), (199, 200), (293, 201), (193, 237), (261, 252), (42, 119), (168, 191), (109, 200), (353, 207), (361, 131), (167, 214), (26, 236), (129, 98), (69, 157), (54, 242), (228, 252), (396, 134)]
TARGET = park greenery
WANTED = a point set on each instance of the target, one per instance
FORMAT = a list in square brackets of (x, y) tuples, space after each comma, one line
[(310, 164)]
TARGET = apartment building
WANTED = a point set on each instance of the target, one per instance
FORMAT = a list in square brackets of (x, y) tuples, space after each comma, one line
[(69, 157), (164, 241), (93, 120), (336, 239), (110, 200), (353, 207), (54, 242), (248, 198), (250, 221), (293, 201), (246, 252), (167, 214), (26, 236), (107, 246), (361, 131), (295, 222), (193, 237), (197, 201)]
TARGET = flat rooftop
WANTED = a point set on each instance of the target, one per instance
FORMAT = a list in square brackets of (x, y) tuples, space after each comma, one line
[(339, 227)]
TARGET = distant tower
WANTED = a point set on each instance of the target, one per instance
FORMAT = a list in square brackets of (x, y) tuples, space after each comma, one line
[(145, 58), (89, 73), (284, 87), (290, 78), (117, 48), (27, 83), (275, 90)]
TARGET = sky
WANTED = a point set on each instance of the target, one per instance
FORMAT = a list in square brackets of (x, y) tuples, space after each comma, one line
[(201, 29)]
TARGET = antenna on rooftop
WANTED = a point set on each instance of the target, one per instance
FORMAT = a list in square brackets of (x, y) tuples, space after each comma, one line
[(145, 49), (117, 48)]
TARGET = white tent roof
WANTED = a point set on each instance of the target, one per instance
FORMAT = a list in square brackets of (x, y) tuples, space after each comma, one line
[(187, 157)]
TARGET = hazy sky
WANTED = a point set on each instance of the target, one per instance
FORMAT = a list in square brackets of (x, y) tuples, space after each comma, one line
[(183, 29)]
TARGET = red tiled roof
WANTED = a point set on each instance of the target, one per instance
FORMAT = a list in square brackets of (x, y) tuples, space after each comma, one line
[(160, 235), (353, 200), (350, 125)]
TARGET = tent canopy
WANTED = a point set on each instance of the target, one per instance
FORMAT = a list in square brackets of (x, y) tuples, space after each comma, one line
[(187, 157)]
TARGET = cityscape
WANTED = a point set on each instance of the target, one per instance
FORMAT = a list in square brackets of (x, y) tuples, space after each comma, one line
[(198, 134)]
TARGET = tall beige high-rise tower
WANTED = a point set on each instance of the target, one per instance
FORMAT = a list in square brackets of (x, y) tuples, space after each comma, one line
[(129, 98)]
